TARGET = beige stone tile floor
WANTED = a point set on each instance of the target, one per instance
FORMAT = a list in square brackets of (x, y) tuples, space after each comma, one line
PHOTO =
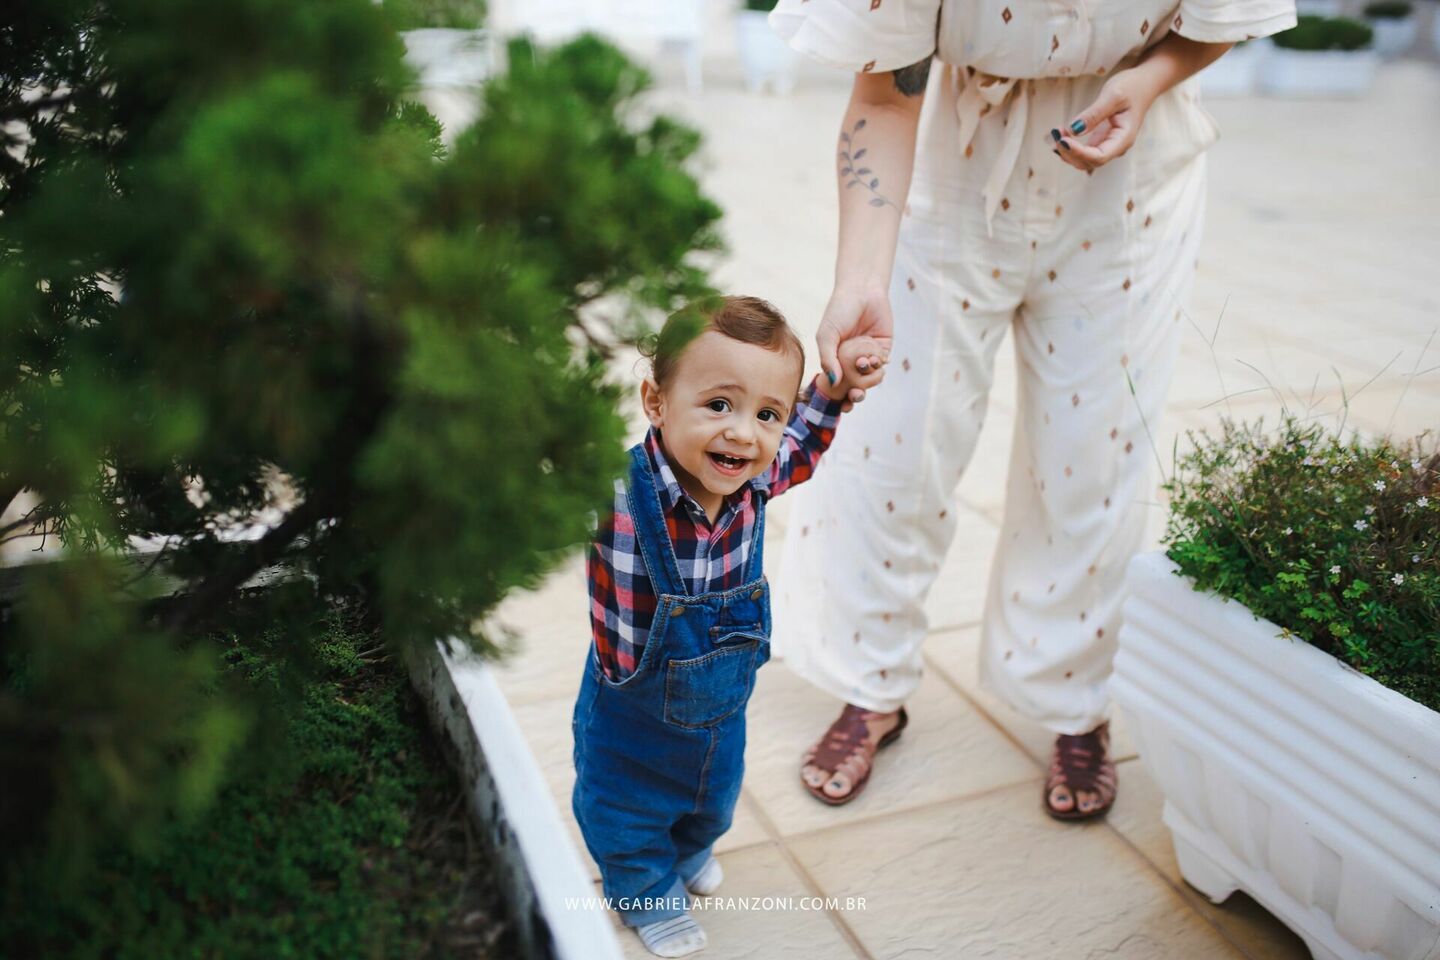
[(1317, 281)]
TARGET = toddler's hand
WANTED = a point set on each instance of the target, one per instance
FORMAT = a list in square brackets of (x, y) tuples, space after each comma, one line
[(862, 362)]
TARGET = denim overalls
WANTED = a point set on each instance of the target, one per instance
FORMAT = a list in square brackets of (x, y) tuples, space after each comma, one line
[(659, 755)]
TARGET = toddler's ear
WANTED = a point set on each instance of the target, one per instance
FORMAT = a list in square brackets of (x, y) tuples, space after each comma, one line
[(653, 402)]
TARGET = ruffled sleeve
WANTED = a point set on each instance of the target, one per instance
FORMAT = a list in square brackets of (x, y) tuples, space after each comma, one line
[(863, 36), (1231, 21)]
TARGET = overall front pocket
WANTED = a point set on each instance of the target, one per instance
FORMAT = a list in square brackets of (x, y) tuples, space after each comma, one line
[(702, 691)]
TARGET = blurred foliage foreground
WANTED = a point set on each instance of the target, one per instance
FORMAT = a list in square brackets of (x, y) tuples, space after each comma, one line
[(239, 272), (340, 834)]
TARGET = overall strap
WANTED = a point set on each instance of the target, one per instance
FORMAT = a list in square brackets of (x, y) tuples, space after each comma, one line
[(755, 565), (651, 533)]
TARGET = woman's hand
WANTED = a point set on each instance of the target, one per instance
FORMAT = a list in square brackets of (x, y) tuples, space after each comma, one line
[(863, 359), (1113, 121), (852, 312), (1110, 125)]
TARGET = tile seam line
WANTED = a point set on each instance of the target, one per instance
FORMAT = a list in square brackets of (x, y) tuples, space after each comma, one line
[(976, 705), (839, 922), (873, 818)]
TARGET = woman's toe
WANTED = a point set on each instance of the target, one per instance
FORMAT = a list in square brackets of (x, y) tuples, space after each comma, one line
[(812, 775), (1088, 800), (837, 786), (1061, 800)]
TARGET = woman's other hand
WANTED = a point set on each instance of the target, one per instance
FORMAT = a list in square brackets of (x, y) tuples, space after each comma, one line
[(1108, 127)]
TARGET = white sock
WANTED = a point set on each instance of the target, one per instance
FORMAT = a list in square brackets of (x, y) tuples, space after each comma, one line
[(673, 937), (708, 880)]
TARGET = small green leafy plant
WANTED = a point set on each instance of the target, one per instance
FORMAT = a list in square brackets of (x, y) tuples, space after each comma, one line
[(1326, 33), (1389, 10), (334, 835), (762, 6), (1336, 541)]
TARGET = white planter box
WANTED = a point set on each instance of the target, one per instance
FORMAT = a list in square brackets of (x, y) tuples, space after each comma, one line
[(767, 59), (1394, 36), (1286, 774), (1237, 72), (448, 58), (1318, 73), (547, 886)]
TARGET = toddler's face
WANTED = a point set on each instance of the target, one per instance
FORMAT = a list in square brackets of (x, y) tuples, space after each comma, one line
[(723, 413)]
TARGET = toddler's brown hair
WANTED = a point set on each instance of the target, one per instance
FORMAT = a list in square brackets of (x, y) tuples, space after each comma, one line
[(747, 319)]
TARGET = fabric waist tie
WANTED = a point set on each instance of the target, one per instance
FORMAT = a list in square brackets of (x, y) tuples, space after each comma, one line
[(981, 94)]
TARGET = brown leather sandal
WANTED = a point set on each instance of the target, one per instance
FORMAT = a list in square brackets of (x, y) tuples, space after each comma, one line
[(1082, 762), (847, 741)]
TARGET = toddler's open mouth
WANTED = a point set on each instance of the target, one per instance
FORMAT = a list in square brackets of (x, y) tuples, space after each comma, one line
[(726, 464)]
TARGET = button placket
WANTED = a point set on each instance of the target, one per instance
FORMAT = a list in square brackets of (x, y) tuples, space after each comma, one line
[(1042, 189)]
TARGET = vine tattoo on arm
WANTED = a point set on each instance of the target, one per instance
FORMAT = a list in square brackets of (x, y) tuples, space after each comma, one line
[(850, 166), (910, 80)]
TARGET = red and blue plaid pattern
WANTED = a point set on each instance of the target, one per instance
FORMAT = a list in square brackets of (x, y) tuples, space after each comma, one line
[(710, 557)]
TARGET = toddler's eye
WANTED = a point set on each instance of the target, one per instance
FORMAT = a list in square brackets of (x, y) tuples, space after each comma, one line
[(718, 405), (769, 415)]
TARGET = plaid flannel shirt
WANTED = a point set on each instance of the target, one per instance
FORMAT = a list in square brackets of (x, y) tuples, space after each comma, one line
[(711, 556)]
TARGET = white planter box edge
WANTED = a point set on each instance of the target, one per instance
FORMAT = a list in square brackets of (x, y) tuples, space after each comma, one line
[(1394, 35), (548, 888), (1237, 72), (1286, 774), (1318, 73)]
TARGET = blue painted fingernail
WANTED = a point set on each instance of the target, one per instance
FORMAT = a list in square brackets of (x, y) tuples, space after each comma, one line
[(831, 376), (1064, 145), (1078, 126), (1056, 134)]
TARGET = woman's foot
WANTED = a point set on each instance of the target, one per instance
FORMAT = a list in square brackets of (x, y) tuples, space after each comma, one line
[(837, 768), (674, 937), (1082, 781)]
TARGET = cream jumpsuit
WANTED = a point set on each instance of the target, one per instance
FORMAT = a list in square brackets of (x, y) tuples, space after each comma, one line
[(1090, 271)]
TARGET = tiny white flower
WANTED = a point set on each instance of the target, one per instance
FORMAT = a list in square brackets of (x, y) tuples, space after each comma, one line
[(1335, 570), (1415, 465), (1334, 470), (1395, 464), (1398, 579), (1369, 510), (1288, 531), (1361, 524), (1423, 502), (1415, 558), (1379, 484), (1308, 461)]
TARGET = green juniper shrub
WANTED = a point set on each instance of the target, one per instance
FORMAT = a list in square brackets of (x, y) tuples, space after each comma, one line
[(1325, 33), (338, 833), (761, 6), (239, 273), (422, 14), (1336, 541), (1389, 9)]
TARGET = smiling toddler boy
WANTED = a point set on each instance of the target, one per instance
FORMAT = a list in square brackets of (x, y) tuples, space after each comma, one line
[(680, 608)]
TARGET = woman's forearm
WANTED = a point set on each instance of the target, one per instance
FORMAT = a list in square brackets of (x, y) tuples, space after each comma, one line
[(874, 157), (1175, 59)]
